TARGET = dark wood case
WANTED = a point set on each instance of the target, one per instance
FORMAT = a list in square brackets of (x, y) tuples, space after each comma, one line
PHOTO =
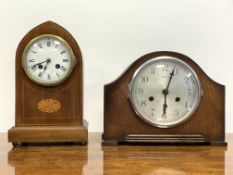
[(33, 125), (121, 124)]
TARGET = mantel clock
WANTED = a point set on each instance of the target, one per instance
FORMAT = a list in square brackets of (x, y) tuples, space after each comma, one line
[(164, 98), (49, 104)]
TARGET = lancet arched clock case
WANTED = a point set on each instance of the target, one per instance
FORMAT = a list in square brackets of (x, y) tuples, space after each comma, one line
[(164, 97), (48, 88)]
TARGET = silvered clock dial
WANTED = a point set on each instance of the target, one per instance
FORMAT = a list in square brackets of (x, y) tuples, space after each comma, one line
[(48, 60), (165, 91)]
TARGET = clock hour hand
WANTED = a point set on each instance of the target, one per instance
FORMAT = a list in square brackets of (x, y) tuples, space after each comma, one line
[(45, 67), (165, 92), (164, 107)]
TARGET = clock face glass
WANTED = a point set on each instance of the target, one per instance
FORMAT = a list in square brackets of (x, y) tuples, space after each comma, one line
[(164, 91), (48, 60)]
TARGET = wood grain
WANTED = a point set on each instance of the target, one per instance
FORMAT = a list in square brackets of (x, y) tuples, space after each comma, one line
[(96, 160), (29, 94), (120, 120), (35, 134)]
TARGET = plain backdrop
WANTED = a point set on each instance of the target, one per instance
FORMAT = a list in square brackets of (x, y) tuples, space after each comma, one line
[(114, 33)]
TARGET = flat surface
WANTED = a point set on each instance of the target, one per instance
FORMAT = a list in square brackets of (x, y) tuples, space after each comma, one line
[(95, 159)]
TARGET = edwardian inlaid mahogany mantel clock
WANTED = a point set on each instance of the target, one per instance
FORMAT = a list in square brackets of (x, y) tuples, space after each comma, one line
[(48, 88), (164, 97)]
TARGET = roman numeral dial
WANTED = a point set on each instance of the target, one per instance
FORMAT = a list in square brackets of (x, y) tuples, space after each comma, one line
[(48, 60)]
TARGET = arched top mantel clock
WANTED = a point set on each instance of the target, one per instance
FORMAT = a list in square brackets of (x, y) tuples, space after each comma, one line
[(49, 87)]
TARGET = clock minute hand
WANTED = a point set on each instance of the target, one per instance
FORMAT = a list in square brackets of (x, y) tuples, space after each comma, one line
[(171, 75), (165, 92), (39, 63)]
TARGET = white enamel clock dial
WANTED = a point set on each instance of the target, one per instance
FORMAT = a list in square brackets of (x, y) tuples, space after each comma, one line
[(164, 91), (48, 60)]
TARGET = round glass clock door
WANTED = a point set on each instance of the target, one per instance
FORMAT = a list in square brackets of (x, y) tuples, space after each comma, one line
[(48, 60), (165, 91)]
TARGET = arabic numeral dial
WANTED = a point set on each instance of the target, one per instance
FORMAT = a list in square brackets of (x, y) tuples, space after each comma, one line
[(165, 91)]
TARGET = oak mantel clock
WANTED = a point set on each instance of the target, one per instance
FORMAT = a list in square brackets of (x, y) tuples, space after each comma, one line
[(48, 88), (166, 98)]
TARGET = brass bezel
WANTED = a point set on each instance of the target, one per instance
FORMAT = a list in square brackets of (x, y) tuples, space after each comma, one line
[(34, 78)]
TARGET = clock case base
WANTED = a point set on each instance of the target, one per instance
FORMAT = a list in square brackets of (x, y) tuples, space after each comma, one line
[(122, 125), (189, 140), (45, 134)]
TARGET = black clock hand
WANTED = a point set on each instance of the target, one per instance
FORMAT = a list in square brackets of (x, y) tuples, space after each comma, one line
[(165, 92), (46, 66), (164, 106), (171, 75), (39, 63)]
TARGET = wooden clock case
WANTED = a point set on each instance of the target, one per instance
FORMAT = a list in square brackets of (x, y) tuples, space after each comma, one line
[(35, 125), (122, 125)]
